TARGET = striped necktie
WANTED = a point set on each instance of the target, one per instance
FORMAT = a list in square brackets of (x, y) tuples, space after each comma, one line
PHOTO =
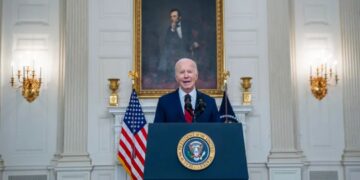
[(188, 109)]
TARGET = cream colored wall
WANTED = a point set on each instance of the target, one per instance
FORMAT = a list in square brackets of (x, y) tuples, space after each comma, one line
[(29, 36)]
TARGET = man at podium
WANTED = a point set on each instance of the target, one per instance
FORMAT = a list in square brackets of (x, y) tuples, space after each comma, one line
[(186, 103)]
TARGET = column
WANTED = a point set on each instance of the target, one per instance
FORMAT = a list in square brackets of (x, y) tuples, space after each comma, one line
[(1, 160), (350, 33), (74, 161), (284, 160), (61, 95), (1, 167)]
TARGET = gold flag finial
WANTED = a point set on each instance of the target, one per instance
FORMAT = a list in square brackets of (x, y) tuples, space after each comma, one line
[(226, 75), (133, 75)]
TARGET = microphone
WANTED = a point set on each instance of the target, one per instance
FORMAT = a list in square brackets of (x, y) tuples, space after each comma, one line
[(200, 108)]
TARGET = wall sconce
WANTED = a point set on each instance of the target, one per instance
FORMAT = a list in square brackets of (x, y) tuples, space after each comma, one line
[(28, 81), (323, 76)]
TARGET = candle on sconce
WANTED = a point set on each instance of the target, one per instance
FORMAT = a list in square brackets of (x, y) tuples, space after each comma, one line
[(336, 70), (325, 67), (317, 71), (40, 73), (27, 71), (330, 72), (23, 71), (310, 70), (12, 69), (325, 70)]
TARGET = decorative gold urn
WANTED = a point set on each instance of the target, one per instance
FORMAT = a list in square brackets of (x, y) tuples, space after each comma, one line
[(246, 95), (114, 86)]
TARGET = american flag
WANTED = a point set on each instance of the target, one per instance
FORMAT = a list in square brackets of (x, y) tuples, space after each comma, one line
[(133, 137)]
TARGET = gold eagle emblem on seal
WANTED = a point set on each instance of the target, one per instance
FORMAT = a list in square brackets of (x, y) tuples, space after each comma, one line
[(196, 150)]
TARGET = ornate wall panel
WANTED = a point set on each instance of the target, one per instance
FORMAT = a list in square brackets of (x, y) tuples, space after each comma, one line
[(29, 38)]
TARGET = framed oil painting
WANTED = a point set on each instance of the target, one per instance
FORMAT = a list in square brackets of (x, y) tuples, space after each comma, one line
[(167, 30)]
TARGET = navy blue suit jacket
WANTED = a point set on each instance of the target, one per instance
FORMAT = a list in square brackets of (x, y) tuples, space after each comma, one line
[(169, 109)]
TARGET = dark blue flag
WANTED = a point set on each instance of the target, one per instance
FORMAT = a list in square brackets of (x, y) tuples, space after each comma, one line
[(226, 111)]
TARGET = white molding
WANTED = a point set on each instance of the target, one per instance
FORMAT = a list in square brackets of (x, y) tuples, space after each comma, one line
[(316, 14), (75, 175), (122, 7), (26, 172), (257, 171), (351, 158), (114, 44), (32, 8), (323, 163), (27, 168), (31, 42), (352, 172), (120, 110), (285, 173)]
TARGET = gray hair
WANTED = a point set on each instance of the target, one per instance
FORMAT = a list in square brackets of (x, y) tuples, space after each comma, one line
[(186, 59)]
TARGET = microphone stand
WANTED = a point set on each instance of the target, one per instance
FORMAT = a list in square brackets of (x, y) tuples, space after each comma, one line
[(200, 108)]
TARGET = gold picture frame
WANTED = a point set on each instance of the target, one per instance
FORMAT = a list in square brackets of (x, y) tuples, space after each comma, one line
[(151, 19)]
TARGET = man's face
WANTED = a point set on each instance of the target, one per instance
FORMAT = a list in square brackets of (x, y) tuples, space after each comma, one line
[(174, 17), (186, 75)]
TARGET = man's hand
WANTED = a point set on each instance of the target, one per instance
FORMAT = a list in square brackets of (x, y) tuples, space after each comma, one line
[(196, 45)]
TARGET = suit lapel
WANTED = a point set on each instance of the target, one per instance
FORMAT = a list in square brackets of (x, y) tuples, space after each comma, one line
[(198, 95), (179, 108)]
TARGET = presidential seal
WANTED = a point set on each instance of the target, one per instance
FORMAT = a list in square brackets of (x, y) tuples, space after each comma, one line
[(196, 150)]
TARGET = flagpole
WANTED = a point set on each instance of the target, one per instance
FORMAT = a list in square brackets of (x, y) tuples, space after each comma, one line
[(132, 75), (132, 135), (226, 76)]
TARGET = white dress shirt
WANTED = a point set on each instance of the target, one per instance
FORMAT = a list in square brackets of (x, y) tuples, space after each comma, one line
[(178, 30)]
